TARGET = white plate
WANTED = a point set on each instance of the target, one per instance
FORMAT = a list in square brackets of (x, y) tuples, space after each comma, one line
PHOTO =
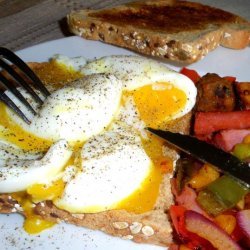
[(64, 237)]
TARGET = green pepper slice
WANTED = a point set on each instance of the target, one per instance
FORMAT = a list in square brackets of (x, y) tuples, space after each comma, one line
[(220, 195)]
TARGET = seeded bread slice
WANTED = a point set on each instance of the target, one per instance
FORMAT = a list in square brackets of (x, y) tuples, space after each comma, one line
[(152, 227), (176, 30)]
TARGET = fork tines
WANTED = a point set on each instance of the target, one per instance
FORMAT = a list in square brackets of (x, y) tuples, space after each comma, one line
[(7, 56)]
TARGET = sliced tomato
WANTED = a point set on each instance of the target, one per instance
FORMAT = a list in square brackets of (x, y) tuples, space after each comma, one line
[(190, 73)]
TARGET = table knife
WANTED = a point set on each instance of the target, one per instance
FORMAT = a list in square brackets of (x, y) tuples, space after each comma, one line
[(226, 162)]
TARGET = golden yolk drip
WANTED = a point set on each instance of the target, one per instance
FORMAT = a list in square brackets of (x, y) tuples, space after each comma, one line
[(158, 102), (56, 74), (40, 192), (51, 73), (144, 199), (154, 105), (154, 148), (33, 223), (13, 133), (36, 193)]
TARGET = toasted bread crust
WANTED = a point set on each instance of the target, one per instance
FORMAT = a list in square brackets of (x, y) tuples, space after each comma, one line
[(7, 204), (235, 38), (151, 227), (175, 30)]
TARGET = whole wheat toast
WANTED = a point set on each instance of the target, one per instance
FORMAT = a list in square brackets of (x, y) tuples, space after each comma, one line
[(176, 30), (153, 227)]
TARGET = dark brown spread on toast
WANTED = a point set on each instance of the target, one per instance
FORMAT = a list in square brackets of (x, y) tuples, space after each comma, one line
[(173, 19)]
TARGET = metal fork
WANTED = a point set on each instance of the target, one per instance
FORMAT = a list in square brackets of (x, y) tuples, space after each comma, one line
[(7, 57)]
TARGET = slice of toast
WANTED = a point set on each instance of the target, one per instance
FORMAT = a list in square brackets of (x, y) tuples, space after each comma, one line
[(176, 30), (153, 227)]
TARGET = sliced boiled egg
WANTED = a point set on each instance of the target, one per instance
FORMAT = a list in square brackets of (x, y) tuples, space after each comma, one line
[(11, 151), (17, 175), (160, 94), (75, 112), (75, 63), (114, 165)]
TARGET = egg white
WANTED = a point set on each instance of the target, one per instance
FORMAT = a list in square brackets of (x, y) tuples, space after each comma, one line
[(77, 111), (114, 164), (135, 72), (75, 63), (17, 175), (11, 151)]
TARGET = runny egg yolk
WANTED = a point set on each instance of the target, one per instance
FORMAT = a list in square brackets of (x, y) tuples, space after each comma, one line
[(41, 192), (57, 75), (151, 103), (33, 223), (158, 102), (51, 73), (144, 199), (13, 133)]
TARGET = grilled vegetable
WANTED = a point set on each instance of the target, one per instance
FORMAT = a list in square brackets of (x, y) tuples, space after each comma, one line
[(243, 91), (190, 239), (205, 176), (242, 151), (230, 78), (191, 74), (227, 222), (200, 225), (186, 168), (215, 93), (220, 195), (243, 219)]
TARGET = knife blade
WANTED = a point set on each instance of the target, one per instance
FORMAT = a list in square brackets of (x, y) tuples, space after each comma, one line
[(205, 152)]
